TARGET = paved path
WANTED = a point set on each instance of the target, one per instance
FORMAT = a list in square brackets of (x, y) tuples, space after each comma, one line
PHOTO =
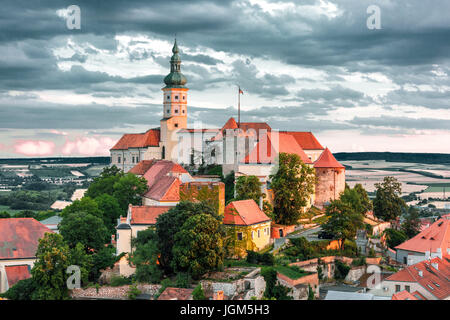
[(309, 234)]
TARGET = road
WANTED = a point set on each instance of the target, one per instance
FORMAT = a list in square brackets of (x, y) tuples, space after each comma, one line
[(310, 234)]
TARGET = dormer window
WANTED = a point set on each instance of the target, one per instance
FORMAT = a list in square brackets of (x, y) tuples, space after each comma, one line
[(176, 97)]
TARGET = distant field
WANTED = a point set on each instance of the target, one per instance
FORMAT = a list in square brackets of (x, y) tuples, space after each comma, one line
[(94, 171), (439, 188)]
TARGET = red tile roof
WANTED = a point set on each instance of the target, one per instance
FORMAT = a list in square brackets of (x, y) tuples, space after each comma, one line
[(138, 140), (147, 214), (165, 189), (176, 294), (435, 236), (246, 127), (435, 281), (16, 273), (142, 167), (306, 140), (403, 295), (327, 160), (19, 237), (244, 212), (160, 169), (271, 145)]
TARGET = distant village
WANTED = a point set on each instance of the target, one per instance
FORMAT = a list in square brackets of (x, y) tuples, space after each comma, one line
[(240, 212)]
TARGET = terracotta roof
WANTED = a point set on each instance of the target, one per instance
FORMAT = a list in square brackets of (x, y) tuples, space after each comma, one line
[(244, 126), (435, 236), (306, 140), (176, 294), (327, 160), (166, 188), (138, 140), (435, 281), (146, 214), (271, 148), (403, 295), (244, 212), (160, 169), (17, 273), (19, 237), (142, 167)]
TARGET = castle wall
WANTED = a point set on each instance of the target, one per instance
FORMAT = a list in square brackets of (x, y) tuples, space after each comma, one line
[(330, 182)]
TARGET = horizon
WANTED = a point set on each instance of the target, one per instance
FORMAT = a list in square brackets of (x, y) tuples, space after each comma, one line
[(314, 66)]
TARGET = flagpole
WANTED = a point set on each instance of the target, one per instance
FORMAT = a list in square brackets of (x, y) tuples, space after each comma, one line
[(239, 107)]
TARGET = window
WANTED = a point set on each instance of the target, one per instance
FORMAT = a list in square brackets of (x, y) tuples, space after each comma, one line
[(168, 110), (118, 159), (252, 234), (176, 97), (176, 125), (407, 288), (184, 97), (183, 111), (239, 235), (137, 159), (259, 233), (132, 160), (168, 97), (397, 288), (176, 110)]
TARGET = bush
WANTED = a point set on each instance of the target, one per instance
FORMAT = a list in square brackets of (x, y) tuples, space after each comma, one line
[(341, 270), (266, 259), (198, 293), (183, 280), (118, 281), (133, 292), (22, 290)]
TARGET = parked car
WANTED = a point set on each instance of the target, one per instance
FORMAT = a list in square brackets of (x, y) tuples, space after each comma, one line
[(325, 235)]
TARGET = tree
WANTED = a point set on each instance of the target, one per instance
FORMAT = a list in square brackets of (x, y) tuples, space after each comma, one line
[(274, 291), (111, 211), (4, 215), (104, 184), (228, 180), (394, 237), (145, 257), (129, 189), (85, 204), (84, 228), (411, 226), (169, 223), (49, 270), (22, 290), (357, 198), (387, 204), (343, 221), (102, 259), (292, 185), (248, 187), (79, 257), (198, 246)]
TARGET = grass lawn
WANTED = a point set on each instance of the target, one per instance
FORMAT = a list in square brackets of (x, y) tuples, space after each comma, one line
[(239, 263), (291, 272)]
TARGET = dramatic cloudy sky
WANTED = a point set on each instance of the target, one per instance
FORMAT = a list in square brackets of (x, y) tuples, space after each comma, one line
[(310, 65)]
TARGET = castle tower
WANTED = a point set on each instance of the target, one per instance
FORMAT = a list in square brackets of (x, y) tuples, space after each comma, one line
[(174, 106), (330, 179)]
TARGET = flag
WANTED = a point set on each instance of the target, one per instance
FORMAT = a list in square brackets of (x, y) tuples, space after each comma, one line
[(240, 91)]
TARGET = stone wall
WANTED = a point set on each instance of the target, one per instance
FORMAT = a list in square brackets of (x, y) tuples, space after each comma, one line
[(329, 184)]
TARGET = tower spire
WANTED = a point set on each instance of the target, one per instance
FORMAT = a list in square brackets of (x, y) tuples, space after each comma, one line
[(175, 79)]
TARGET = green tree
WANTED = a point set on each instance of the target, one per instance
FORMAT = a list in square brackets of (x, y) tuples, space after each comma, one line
[(198, 246), (169, 223), (248, 187), (388, 204), (22, 290), (411, 226), (228, 180), (84, 228), (111, 211), (79, 257), (145, 257), (292, 186), (394, 237), (49, 270), (129, 189), (357, 198), (104, 183), (4, 215), (310, 293), (343, 221), (274, 291), (102, 259), (85, 204)]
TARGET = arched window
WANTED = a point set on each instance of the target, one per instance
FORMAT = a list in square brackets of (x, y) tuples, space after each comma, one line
[(163, 152)]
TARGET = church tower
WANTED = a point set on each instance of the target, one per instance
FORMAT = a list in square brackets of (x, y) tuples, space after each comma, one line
[(174, 107)]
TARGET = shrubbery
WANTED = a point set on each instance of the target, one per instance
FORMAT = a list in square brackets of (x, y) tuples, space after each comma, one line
[(260, 258)]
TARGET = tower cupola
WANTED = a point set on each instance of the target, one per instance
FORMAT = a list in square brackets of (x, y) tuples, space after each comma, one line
[(175, 79)]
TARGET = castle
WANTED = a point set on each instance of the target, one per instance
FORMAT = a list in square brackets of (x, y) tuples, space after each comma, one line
[(245, 148)]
